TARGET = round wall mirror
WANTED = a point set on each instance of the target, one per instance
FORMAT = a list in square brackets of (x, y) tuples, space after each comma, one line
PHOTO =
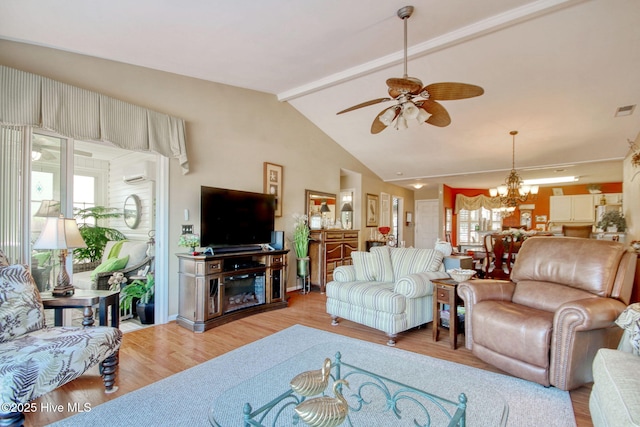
[(132, 211)]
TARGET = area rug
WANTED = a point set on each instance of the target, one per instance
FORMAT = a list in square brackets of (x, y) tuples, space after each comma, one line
[(191, 397)]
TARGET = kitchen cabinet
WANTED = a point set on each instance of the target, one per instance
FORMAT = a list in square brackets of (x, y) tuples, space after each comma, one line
[(577, 208)]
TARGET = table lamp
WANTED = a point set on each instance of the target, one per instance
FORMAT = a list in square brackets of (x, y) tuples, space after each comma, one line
[(61, 233)]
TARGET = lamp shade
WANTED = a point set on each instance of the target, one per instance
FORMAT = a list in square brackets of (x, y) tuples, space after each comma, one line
[(347, 207), (324, 208), (48, 208), (60, 233)]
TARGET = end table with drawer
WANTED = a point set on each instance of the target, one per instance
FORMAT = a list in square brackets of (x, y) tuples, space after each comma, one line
[(445, 292)]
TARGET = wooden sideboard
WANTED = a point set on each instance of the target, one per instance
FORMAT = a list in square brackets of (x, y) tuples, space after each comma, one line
[(329, 249)]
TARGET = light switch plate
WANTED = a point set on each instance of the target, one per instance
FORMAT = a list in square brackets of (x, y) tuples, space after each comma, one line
[(187, 229)]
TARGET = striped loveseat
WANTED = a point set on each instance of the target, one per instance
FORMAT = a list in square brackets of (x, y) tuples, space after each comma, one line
[(388, 289)]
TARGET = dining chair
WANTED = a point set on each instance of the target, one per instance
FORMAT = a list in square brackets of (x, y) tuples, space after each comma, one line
[(499, 255)]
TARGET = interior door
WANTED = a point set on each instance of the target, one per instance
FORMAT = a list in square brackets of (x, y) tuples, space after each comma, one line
[(426, 223)]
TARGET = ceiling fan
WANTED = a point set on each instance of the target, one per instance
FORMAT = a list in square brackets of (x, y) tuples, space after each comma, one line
[(413, 101)]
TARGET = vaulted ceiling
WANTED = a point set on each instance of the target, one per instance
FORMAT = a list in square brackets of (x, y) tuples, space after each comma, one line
[(555, 70)]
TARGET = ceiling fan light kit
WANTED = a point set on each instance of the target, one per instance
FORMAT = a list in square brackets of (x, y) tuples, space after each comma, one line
[(413, 101)]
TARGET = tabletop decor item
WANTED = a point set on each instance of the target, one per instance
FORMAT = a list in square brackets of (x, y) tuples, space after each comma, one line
[(460, 274), (325, 411), (311, 383), (189, 241)]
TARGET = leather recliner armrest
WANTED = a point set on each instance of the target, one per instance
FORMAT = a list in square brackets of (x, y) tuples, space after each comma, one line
[(579, 329), (586, 315)]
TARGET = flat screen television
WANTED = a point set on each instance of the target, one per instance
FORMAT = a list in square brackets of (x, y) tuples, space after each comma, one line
[(235, 219)]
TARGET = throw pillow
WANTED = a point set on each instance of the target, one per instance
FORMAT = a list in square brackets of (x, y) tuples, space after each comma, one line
[(115, 249), (383, 258), (365, 264), (112, 264), (413, 260), (20, 307)]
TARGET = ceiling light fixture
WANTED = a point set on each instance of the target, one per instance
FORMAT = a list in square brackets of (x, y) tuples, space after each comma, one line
[(417, 185), (554, 180), (513, 191)]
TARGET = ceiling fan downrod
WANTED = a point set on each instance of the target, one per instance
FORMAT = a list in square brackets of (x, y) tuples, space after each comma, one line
[(404, 13)]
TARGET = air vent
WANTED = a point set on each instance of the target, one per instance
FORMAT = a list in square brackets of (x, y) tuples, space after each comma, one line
[(627, 110)]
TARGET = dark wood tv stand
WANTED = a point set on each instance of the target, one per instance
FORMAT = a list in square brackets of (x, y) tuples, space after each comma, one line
[(217, 289)]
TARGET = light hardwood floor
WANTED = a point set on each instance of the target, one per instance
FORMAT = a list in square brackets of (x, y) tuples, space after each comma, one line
[(153, 353)]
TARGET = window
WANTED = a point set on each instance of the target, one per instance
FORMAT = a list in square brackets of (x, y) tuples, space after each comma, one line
[(472, 225)]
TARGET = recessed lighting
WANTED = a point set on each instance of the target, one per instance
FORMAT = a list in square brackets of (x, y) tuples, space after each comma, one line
[(399, 173), (627, 110)]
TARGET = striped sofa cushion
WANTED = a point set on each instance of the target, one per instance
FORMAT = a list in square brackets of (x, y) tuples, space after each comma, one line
[(375, 296), (412, 260)]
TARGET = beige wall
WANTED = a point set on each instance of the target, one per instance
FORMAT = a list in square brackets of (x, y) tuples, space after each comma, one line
[(631, 196), (230, 133)]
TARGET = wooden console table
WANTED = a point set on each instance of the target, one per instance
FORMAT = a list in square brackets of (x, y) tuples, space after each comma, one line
[(86, 299)]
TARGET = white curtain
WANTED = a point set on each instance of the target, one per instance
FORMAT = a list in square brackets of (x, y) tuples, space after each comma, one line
[(476, 202), (11, 146), (30, 100)]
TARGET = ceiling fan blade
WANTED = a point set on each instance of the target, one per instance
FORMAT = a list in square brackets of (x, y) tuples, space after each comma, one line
[(439, 115), (365, 104), (449, 91), (377, 126)]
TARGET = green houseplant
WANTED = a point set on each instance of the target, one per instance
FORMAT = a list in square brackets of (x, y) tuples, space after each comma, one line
[(94, 235), (301, 235), (613, 219), (143, 291)]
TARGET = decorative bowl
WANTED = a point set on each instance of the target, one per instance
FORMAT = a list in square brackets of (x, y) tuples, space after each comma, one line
[(461, 275)]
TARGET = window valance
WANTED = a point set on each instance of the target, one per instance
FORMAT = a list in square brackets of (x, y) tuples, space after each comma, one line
[(30, 100), (476, 202)]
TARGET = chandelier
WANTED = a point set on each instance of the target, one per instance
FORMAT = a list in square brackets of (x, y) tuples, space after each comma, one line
[(513, 191)]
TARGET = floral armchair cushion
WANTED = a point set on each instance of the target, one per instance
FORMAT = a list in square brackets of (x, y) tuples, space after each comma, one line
[(4, 261), (35, 359), (20, 305)]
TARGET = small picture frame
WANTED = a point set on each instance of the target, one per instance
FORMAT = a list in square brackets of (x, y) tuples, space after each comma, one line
[(273, 184), (541, 218), (372, 210), (558, 192)]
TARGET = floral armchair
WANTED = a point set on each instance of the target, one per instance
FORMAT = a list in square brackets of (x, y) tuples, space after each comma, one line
[(35, 359)]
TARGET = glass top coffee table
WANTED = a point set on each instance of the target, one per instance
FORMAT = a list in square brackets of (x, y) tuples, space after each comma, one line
[(374, 398)]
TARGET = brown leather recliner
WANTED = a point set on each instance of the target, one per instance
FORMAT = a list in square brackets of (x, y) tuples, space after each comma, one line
[(546, 324)]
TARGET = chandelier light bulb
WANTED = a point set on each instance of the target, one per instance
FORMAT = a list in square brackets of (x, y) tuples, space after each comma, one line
[(409, 110), (401, 122), (422, 115), (388, 116), (493, 192)]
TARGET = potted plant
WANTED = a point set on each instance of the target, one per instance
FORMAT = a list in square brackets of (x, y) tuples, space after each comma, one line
[(301, 234), (94, 235), (143, 291), (613, 221)]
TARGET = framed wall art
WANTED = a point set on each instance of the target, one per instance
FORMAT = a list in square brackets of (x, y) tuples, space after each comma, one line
[(372, 210), (273, 183)]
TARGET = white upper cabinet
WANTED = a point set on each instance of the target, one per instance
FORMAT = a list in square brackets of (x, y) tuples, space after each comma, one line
[(579, 208)]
